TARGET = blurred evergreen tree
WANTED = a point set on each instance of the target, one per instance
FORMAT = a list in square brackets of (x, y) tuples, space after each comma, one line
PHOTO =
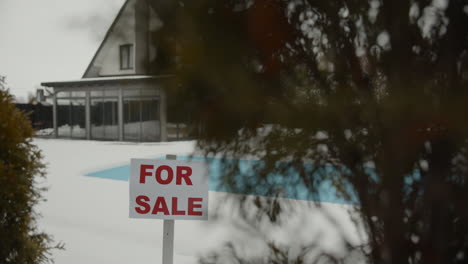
[(376, 89), (20, 164)]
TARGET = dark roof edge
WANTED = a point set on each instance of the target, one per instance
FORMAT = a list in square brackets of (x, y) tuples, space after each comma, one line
[(106, 36), (100, 80)]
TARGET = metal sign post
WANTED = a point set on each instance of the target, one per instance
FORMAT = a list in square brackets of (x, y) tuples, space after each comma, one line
[(168, 236), (170, 190), (168, 242)]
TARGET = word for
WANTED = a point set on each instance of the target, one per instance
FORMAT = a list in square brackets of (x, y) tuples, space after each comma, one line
[(182, 173)]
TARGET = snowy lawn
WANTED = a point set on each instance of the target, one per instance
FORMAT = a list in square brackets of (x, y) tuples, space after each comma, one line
[(90, 215)]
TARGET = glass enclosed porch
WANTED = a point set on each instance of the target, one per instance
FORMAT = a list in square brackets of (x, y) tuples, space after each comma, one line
[(114, 109)]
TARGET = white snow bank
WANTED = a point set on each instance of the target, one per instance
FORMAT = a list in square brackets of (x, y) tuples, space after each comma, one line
[(90, 215)]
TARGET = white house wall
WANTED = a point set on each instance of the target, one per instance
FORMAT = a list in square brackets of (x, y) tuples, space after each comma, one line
[(131, 26), (123, 33), (107, 59), (155, 24)]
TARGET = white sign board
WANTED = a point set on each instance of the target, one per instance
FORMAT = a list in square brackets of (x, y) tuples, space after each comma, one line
[(168, 189)]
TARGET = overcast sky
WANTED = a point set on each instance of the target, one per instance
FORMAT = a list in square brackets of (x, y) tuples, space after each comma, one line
[(50, 40)]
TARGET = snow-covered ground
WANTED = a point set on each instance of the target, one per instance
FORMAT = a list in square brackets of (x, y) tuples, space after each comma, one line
[(90, 215)]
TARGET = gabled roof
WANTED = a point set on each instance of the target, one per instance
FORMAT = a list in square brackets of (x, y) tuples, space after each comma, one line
[(108, 33)]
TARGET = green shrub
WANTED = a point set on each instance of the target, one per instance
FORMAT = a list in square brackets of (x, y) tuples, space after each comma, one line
[(20, 163)]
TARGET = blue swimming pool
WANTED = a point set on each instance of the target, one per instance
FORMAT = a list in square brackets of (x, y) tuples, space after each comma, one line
[(287, 185)]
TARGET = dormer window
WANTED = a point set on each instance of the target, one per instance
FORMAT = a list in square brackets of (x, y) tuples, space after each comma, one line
[(126, 56)]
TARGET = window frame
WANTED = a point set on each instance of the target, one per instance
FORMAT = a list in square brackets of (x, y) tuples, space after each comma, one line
[(128, 58)]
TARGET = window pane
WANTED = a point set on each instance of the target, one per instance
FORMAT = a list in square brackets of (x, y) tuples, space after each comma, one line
[(42, 117), (111, 92), (63, 94), (150, 120), (130, 56), (98, 93), (104, 119), (111, 128), (132, 125), (134, 92), (71, 118), (78, 120), (78, 94), (141, 119), (97, 130), (63, 117), (177, 131), (150, 92), (178, 124), (126, 56)]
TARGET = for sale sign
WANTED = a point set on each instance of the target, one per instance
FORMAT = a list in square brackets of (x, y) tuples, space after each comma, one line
[(169, 189)]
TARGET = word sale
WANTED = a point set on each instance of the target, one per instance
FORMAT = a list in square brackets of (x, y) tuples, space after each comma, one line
[(160, 206)]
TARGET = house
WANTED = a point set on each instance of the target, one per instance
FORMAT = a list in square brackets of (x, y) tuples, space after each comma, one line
[(118, 98)]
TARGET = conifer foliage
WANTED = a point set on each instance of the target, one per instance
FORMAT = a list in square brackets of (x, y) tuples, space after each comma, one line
[(368, 95), (20, 164)]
